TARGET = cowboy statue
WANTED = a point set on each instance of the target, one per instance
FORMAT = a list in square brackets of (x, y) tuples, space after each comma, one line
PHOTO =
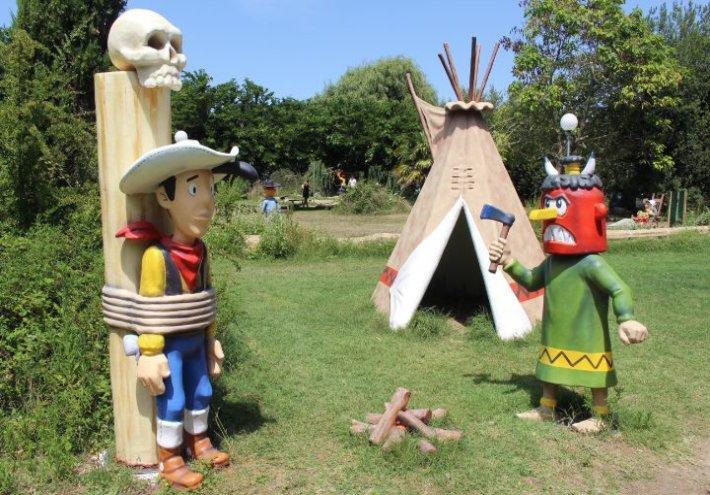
[(578, 283), (270, 204), (177, 348)]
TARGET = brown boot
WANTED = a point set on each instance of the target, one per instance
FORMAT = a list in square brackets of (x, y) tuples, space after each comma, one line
[(200, 447), (174, 470)]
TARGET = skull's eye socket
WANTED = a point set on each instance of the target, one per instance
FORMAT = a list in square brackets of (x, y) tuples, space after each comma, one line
[(176, 42), (157, 41)]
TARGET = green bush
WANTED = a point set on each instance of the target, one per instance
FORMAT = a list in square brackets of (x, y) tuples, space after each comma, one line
[(702, 218), (229, 196), (54, 378), (370, 197), (250, 223), (696, 201), (78, 211), (325, 247), (281, 238), (226, 239)]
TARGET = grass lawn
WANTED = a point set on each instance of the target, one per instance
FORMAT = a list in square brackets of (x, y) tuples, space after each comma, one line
[(308, 353)]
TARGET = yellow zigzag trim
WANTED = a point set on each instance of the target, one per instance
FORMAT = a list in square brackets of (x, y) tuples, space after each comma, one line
[(575, 360)]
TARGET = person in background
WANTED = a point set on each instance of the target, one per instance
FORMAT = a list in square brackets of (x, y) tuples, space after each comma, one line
[(306, 192), (649, 212), (270, 205), (352, 183), (341, 180)]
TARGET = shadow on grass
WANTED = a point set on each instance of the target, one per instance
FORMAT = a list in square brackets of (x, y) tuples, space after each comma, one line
[(571, 406), (238, 416)]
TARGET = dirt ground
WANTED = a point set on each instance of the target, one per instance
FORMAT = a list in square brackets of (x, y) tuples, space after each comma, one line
[(348, 226), (379, 227), (690, 476)]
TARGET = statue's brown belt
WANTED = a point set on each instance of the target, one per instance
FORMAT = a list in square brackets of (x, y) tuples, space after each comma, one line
[(162, 315)]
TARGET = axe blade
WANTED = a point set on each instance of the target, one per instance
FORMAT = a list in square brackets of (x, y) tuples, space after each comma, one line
[(490, 212)]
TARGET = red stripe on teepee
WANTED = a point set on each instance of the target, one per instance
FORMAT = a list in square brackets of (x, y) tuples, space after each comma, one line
[(522, 294), (388, 276)]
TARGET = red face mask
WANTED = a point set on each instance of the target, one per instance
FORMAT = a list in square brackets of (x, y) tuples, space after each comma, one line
[(580, 226)]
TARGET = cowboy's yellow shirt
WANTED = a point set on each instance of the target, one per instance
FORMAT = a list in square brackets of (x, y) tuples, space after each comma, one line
[(153, 278)]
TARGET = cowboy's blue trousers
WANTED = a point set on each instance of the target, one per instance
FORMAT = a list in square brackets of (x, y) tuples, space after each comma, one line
[(188, 386)]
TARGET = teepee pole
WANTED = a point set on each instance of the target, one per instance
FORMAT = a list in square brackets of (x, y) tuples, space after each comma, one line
[(478, 64), (454, 73), (448, 73), (488, 70), (472, 72)]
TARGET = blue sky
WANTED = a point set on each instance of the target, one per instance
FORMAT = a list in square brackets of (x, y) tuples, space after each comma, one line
[(296, 47)]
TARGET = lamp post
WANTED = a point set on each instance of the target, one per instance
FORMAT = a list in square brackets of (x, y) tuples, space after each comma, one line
[(568, 123)]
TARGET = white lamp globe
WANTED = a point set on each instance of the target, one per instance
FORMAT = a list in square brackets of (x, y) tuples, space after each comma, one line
[(568, 122), (180, 136)]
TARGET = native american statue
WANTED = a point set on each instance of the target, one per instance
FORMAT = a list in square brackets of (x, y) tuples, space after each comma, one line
[(578, 283), (173, 312)]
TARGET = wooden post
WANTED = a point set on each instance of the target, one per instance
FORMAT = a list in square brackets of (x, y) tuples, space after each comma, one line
[(130, 120)]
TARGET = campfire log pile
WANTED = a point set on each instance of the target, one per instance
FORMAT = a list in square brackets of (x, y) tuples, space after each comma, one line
[(389, 428)]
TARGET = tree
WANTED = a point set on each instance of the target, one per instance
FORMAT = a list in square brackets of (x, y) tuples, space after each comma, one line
[(414, 162), (47, 61), (44, 144), (687, 29), (270, 132), (75, 33), (608, 67), (383, 80), (367, 118)]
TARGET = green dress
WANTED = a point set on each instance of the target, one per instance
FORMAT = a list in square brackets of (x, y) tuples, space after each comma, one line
[(576, 349)]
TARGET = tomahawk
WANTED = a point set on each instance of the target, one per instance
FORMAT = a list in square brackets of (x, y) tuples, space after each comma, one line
[(489, 212)]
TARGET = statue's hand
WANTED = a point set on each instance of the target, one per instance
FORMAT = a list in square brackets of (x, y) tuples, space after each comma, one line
[(632, 332), (152, 370), (215, 356), (499, 252)]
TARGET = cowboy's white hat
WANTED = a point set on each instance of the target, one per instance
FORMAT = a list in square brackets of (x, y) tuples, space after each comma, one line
[(159, 164)]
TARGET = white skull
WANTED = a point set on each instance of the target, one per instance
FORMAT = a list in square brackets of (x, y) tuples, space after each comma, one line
[(146, 41)]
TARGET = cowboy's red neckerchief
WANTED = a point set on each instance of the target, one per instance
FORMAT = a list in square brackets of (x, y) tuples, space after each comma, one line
[(186, 258)]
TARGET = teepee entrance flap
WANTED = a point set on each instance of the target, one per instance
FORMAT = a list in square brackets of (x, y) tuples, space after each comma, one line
[(415, 275)]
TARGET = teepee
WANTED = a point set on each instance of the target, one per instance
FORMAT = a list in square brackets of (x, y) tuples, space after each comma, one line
[(442, 252)]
